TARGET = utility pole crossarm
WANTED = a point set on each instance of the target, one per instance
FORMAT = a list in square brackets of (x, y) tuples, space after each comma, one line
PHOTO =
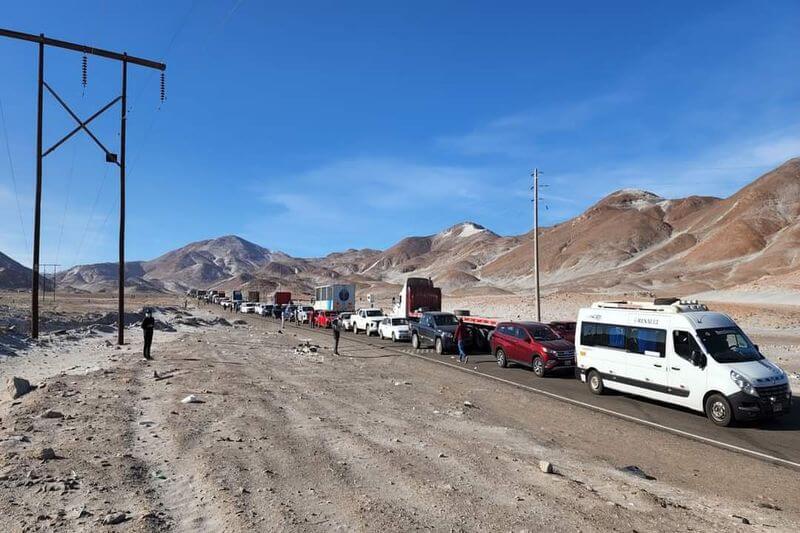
[(125, 59), (82, 48)]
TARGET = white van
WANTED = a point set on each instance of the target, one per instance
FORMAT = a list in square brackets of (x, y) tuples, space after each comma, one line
[(679, 352)]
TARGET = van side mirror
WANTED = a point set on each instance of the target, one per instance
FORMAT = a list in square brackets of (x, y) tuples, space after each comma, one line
[(698, 359), (756, 347)]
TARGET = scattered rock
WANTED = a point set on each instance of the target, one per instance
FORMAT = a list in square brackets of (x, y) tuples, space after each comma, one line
[(638, 472), (442, 455), (742, 519), (468, 403), (114, 518), (52, 414), (79, 512), (546, 467), (47, 454), (767, 505), (17, 387), (192, 399)]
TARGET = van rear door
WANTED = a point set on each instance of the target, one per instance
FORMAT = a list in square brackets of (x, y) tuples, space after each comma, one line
[(607, 345)]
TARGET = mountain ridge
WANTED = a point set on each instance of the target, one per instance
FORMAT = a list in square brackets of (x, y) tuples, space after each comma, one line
[(629, 240)]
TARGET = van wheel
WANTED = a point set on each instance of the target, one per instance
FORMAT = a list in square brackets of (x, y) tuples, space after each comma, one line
[(439, 346), (538, 366), (595, 382), (718, 410), (394, 339), (502, 362), (415, 341)]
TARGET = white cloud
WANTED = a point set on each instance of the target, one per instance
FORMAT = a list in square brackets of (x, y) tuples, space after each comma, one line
[(524, 134)]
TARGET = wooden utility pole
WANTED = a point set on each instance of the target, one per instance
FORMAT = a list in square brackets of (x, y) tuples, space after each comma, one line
[(111, 157), (535, 188)]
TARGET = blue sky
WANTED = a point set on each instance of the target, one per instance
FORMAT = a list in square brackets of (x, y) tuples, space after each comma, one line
[(312, 127)]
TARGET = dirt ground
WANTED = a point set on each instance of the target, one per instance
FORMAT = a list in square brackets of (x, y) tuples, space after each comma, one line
[(296, 439)]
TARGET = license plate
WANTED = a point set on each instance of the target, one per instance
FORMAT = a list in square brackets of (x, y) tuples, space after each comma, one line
[(777, 408)]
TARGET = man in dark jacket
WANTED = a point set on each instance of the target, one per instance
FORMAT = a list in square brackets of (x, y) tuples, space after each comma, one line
[(148, 324), (336, 326)]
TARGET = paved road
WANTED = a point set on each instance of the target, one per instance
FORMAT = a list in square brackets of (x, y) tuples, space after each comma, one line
[(778, 440)]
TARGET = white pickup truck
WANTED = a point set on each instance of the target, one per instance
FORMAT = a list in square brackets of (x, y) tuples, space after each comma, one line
[(367, 320)]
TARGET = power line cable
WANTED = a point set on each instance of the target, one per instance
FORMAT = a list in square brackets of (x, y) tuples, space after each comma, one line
[(13, 175), (66, 200), (148, 131), (91, 214)]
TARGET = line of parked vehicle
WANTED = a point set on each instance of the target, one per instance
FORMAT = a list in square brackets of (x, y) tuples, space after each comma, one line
[(673, 351)]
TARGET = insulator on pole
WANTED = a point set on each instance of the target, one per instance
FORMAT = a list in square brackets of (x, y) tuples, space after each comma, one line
[(163, 87), (84, 67)]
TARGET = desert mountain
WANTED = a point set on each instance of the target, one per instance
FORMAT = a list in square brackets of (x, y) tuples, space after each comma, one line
[(636, 240), (13, 275), (629, 240)]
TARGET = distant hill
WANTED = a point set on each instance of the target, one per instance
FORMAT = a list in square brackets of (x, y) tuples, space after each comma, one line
[(13, 275), (631, 240)]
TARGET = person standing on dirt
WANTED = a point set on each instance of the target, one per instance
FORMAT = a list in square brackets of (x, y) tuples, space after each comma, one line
[(148, 325), (336, 326), (285, 314), (459, 338)]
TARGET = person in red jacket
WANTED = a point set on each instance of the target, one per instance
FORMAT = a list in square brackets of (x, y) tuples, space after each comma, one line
[(458, 336)]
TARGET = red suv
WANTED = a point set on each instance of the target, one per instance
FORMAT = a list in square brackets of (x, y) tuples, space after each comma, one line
[(324, 319), (532, 344)]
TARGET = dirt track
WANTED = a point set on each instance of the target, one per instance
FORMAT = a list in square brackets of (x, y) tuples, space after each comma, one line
[(369, 441)]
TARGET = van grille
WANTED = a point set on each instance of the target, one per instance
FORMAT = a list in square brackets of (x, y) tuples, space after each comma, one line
[(775, 390)]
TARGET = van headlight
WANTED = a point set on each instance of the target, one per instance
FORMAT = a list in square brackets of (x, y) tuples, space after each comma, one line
[(743, 383)]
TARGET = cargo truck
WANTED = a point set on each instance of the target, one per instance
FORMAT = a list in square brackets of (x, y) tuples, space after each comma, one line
[(418, 295), (281, 298)]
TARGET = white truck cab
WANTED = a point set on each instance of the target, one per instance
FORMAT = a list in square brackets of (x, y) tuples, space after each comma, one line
[(679, 352)]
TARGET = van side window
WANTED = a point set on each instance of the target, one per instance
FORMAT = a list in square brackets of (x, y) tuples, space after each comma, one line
[(607, 335), (641, 340), (684, 344)]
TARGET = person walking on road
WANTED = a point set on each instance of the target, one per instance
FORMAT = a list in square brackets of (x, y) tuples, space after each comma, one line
[(459, 338), (148, 325), (336, 326)]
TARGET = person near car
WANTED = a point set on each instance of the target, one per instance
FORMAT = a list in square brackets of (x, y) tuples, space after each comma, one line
[(458, 336), (148, 325), (311, 317), (285, 315), (336, 326)]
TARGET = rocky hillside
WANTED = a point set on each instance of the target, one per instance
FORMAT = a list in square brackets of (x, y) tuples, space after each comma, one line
[(13, 275), (629, 240), (637, 240)]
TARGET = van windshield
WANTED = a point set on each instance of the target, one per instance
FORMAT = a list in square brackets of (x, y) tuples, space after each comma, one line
[(728, 345)]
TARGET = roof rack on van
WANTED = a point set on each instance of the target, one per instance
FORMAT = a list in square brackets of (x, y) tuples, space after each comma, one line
[(677, 306)]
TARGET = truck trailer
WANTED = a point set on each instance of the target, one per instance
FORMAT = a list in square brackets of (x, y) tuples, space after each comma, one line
[(281, 297), (418, 295)]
